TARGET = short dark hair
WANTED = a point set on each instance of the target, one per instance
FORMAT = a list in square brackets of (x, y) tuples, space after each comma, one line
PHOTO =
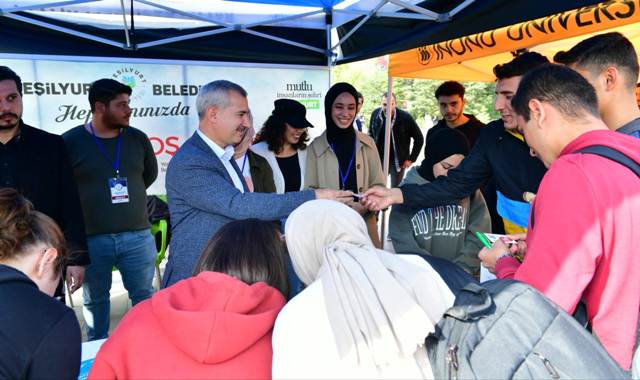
[(360, 96), (560, 86), (8, 74), (273, 131), (450, 88), (249, 250), (598, 52), (384, 95), (105, 90), (520, 65)]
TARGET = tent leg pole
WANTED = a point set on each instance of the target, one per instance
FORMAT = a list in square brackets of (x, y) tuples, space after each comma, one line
[(387, 144)]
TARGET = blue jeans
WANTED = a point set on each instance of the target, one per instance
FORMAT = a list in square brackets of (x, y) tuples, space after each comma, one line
[(133, 253)]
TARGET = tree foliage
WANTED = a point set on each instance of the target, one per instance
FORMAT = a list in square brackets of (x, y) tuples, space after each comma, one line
[(413, 95)]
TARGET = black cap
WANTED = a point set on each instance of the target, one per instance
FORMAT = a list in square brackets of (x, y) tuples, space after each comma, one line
[(291, 112)]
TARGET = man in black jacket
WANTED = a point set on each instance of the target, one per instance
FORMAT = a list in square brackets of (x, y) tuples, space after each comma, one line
[(36, 163), (451, 101), (403, 129), (500, 152)]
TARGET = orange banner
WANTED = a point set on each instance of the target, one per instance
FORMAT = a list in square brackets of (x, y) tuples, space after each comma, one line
[(559, 26)]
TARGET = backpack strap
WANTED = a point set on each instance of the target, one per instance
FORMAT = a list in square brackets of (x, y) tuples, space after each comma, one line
[(606, 152), (580, 314), (614, 155)]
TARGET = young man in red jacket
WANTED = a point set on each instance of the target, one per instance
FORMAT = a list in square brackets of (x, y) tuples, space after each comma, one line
[(582, 239)]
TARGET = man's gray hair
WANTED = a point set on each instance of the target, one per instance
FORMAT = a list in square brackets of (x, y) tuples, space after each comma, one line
[(216, 94)]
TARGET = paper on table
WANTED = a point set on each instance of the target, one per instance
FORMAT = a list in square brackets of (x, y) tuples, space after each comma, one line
[(485, 275), (89, 352), (493, 237)]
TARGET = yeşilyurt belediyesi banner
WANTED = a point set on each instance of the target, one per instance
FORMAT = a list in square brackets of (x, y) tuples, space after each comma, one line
[(55, 94)]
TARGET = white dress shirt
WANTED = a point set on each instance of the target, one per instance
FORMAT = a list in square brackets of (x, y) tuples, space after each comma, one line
[(225, 156)]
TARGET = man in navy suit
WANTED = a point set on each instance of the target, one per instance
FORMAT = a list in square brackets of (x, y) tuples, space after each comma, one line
[(204, 185)]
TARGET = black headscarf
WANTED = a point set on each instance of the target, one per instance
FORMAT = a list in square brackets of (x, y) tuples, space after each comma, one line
[(342, 141), (441, 144)]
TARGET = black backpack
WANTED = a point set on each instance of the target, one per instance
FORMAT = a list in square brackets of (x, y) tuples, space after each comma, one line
[(506, 329), (157, 209)]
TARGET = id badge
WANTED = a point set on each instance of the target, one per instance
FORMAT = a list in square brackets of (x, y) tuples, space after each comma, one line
[(119, 190)]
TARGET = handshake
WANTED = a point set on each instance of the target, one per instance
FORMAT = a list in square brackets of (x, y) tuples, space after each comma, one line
[(374, 199)]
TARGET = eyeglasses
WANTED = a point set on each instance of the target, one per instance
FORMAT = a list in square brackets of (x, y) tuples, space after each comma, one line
[(446, 166)]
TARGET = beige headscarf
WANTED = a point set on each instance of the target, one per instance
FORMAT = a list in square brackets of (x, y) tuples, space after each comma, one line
[(381, 307), (241, 148)]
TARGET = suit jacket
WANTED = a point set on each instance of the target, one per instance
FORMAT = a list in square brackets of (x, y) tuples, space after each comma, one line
[(202, 198)]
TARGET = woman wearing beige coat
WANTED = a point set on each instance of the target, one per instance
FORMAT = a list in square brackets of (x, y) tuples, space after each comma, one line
[(342, 158)]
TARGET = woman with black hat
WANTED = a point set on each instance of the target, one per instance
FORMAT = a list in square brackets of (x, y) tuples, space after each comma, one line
[(282, 142), (343, 158), (444, 231)]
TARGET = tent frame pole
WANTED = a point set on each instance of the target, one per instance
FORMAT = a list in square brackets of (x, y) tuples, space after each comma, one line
[(416, 9), (65, 30), (226, 28), (387, 146), (412, 16), (328, 20), (124, 23), (460, 7), (360, 23), (45, 5)]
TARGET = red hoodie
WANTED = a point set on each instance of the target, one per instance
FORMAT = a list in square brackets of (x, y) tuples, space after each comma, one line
[(210, 326), (584, 242)]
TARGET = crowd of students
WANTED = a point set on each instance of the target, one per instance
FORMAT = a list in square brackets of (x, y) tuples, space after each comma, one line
[(276, 267)]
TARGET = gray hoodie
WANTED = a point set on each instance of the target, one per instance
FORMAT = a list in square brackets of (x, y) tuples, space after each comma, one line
[(446, 231)]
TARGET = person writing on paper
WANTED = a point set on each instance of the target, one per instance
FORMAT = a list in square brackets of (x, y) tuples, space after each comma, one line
[(342, 158), (582, 240), (443, 231), (40, 335), (282, 141), (364, 313), (214, 325)]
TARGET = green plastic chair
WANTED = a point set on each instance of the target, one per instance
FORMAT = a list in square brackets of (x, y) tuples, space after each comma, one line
[(160, 227)]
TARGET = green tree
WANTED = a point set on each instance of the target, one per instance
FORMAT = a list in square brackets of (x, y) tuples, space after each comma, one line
[(414, 95)]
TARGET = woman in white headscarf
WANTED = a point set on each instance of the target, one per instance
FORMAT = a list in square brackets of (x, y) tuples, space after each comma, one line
[(365, 312)]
